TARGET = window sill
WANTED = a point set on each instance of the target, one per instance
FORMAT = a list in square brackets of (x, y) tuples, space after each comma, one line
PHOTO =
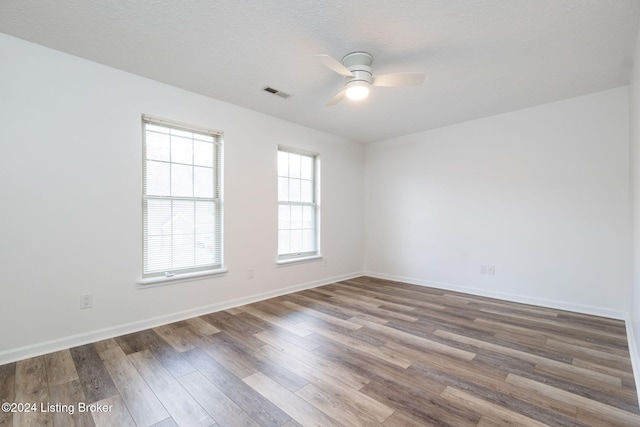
[(152, 282), (289, 261)]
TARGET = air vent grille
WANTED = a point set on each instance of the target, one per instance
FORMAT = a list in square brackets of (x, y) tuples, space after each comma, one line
[(276, 92)]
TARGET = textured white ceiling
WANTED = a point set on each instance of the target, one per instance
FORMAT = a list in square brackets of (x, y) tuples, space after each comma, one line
[(482, 57)]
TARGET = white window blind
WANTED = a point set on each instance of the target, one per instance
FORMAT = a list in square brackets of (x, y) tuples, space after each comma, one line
[(182, 224), (297, 204)]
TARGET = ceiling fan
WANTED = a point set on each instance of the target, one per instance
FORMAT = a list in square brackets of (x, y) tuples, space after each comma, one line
[(356, 68)]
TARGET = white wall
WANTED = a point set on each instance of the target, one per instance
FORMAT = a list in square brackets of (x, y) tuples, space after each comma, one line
[(540, 193), (71, 212), (633, 325)]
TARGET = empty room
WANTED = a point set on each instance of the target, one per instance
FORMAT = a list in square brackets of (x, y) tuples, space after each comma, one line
[(320, 213)]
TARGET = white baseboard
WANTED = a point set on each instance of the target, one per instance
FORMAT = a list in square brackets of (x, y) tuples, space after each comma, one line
[(12, 355), (541, 302)]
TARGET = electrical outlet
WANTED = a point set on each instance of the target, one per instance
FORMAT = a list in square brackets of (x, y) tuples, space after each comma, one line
[(250, 273), (488, 269), (325, 262), (86, 301)]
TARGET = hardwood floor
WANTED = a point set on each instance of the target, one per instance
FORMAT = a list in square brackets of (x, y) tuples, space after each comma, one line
[(362, 352)]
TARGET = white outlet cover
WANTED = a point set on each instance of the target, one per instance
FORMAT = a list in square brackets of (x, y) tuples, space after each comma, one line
[(86, 301)]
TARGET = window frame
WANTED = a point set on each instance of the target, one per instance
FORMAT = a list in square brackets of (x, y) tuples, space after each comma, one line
[(194, 271), (299, 256)]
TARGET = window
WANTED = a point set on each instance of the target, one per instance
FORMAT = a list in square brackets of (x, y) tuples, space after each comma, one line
[(181, 202), (297, 204)]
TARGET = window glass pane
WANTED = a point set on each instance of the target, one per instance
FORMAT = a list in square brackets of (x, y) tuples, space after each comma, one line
[(296, 241), (158, 146), (308, 241), (205, 248), (158, 214), (157, 179), (183, 223), (294, 190), (204, 217), (183, 250), (283, 189), (181, 150), (203, 137), (284, 217), (202, 182), (294, 165), (158, 256), (183, 217), (155, 128), (283, 163), (307, 217), (181, 180), (202, 153), (306, 191), (296, 217), (216, 252), (306, 167), (182, 133)]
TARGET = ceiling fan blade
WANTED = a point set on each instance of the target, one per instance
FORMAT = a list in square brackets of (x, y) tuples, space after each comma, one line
[(333, 65), (339, 97), (399, 79)]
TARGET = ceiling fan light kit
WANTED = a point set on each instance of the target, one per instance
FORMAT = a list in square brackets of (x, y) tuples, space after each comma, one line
[(356, 68), (357, 90)]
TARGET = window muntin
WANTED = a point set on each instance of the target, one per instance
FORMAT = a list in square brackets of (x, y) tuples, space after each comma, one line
[(297, 204), (182, 211)]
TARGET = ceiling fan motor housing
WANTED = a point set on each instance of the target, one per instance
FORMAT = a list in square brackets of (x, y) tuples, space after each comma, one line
[(359, 63)]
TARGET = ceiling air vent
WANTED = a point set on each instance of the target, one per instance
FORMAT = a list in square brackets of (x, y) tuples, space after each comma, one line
[(276, 92)]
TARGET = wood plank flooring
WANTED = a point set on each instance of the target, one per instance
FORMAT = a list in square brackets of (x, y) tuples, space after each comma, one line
[(362, 352)]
